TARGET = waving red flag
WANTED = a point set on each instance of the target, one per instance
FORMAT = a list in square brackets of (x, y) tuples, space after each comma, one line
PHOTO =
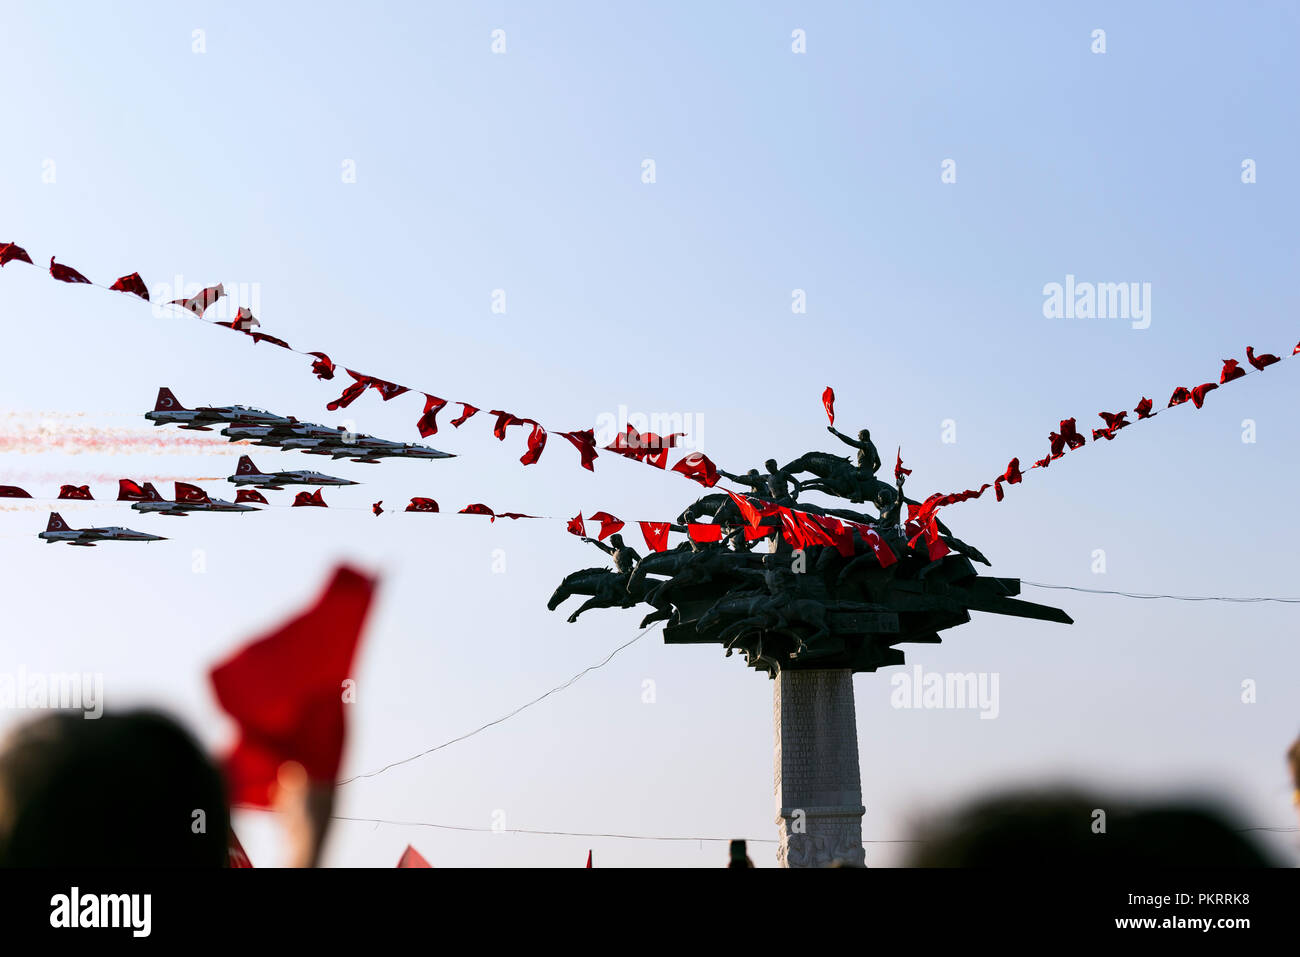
[(697, 467), (75, 491), (129, 491), (250, 495), (186, 492), (752, 515), (1181, 395), (1200, 391), (1143, 409), (309, 499), (884, 554), (828, 400), (585, 442), (504, 421), (12, 252), (13, 491), (1262, 361), (199, 303), (377, 508), (515, 515), (353, 392), (263, 337), (536, 443), (467, 410), (323, 366), (283, 690), (1013, 475), (66, 273), (387, 390), (1230, 371), (478, 510), (577, 527), (608, 524), (428, 424), (422, 505), (132, 284), (412, 858), (899, 471), (704, 532), (656, 535)]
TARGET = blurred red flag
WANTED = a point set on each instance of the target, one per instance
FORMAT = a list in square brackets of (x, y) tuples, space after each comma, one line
[(576, 526), (197, 304), (235, 850), (284, 691), (536, 443), (422, 505), (828, 400), (589, 858), (75, 491), (250, 495), (412, 858), (303, 499)]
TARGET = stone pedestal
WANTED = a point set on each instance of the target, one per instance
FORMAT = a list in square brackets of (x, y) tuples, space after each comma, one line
[(818, 783)]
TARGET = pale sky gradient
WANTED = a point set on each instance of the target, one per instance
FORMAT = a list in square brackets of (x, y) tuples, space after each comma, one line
[(775, 171)]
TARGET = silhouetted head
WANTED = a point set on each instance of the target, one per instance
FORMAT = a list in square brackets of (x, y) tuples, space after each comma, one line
[(129, 790), (770, 465), (865, 435), (1066, 829), (616, 540)]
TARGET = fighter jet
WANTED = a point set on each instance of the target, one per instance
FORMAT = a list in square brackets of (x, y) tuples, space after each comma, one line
[(246, 473), (401, 450), (168, 410), (189, 498), (59, 531), (274, 435)]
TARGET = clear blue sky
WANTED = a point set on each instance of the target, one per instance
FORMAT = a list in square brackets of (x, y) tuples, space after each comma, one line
[(775, 171)]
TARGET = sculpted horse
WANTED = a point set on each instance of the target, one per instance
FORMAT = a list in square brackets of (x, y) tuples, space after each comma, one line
[(608, 589)]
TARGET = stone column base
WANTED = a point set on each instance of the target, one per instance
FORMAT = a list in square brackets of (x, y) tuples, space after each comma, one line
[(818, 784)]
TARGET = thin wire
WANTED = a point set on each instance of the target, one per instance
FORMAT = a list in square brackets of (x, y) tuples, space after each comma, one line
[(1148, 597), (522, 707)]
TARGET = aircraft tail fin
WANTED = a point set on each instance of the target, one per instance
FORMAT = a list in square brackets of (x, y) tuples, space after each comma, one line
[(167, 402), (56, 523), (246, 466)]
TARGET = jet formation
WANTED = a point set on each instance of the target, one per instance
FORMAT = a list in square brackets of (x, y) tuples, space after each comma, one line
[(242, 423)]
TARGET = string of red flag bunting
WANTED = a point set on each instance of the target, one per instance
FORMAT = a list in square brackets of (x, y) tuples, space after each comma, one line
[(645, 447), (1069, 438)]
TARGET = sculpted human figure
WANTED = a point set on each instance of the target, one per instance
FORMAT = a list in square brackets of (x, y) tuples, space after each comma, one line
[(868, 457)]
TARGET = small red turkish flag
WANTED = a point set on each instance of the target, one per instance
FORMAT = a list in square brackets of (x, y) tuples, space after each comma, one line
[(12, 252), (656, 535), (250, 495), (577, 527), (132, 284), (422, 505), (608, 524), (828, 400), (66, 273)]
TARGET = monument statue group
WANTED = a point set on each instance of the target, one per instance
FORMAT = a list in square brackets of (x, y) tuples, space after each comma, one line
[(809, 616)]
